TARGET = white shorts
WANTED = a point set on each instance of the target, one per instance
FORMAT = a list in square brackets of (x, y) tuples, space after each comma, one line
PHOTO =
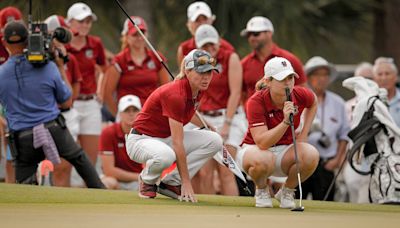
[(278, 151), (72, 122), (89, 116), (238, 127)]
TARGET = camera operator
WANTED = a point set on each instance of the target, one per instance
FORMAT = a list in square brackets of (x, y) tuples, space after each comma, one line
[(330, 137), (37, 130)]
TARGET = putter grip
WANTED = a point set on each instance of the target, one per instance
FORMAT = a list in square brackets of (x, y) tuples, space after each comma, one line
[(288, 98)]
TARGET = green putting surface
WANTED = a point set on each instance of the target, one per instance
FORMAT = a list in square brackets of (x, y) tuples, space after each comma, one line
[(33, 206)]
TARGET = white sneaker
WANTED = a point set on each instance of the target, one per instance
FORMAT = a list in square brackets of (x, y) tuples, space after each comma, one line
[(286, 197), (263, 198)]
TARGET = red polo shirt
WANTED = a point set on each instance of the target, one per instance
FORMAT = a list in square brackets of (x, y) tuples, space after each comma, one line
[(89, 55), (217, 95), (72, 70), (112, 142), (190, 44), (140, 80), (261, 111), (253, 68), (172, 100), (3, 51)]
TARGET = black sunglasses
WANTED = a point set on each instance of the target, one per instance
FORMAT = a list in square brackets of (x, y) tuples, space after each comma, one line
[(255, 34)]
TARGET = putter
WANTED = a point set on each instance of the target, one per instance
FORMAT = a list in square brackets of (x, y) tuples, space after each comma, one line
[(300, 208), (235, 169)]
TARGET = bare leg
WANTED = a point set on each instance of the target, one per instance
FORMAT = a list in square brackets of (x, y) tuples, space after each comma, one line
[(62, 174), (10, 172), (90, 145), (308, 161)]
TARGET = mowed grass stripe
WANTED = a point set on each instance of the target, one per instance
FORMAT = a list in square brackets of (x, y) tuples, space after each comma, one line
[(24, 194)]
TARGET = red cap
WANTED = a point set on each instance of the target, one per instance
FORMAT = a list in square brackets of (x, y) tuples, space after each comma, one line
[(8, 14), (55, 21), (130, 29)]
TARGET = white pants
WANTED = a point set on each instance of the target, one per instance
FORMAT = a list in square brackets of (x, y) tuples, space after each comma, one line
[(157, 154), (89, 116), (238, 127), (72, 121)]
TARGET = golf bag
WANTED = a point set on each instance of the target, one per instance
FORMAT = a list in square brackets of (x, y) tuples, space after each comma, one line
[(376, 142)]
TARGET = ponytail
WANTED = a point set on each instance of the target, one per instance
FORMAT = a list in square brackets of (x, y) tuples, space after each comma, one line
[(181, 74), (261, 84)]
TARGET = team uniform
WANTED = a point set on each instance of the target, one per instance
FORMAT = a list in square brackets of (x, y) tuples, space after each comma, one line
[(190, 44), (3, 51), (86, 104), (112, 142), (139, 80), (253, 68), (150, 142), (262, 112), (71, 115), (214, 104)]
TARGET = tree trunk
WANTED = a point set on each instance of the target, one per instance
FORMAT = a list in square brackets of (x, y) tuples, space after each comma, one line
[(143, 9), (387, 29)]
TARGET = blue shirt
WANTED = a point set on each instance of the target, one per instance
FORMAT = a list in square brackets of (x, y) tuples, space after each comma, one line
[(30, 95), (394, 107), (331, 115)]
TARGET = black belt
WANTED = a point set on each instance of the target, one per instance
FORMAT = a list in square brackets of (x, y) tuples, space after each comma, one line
[(64, 109), (30, 131), (133, 131), (85, 97), (215, 113)]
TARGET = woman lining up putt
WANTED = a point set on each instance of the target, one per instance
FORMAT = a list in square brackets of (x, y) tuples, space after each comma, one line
[(157, 138), (267, 149)]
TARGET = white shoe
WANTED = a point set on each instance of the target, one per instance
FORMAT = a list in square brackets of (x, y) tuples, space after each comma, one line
[(263, 198), (286, 197)]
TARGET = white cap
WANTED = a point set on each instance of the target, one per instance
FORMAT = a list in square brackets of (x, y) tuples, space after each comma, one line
[(80, 11), (258, 24), (127, 101), (278, 68), (317, 62), (198, 8), (206, 34)]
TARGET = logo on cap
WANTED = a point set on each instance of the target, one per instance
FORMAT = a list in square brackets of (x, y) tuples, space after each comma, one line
[(284, 64)]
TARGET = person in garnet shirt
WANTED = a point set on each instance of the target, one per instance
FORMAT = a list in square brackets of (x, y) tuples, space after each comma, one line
[(89, 51), (136, 70), (119, 170), (220, 106), (7, 14), (157, 138), (268, 147), (198, 13), (62, 172), (259, 32)]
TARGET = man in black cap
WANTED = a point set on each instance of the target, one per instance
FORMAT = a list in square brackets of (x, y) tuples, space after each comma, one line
[(31, 96)]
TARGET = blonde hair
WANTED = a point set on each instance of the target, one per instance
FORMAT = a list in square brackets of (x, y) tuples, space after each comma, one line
[(124, 42), (262, 84), (181, 74)]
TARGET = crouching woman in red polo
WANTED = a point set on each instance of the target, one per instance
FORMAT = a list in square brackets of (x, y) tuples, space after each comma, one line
[(157, 138), (268, 149)]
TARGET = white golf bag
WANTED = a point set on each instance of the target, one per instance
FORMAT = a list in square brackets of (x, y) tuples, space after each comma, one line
[(376, 141)]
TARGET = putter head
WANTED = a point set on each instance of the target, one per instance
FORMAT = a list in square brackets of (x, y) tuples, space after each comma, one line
[(299, 209)]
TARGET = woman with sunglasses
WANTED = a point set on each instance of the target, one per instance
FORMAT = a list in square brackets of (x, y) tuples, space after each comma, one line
[(220, 105), (136, 70), (157, 138), (259, 32), (268, 147)]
